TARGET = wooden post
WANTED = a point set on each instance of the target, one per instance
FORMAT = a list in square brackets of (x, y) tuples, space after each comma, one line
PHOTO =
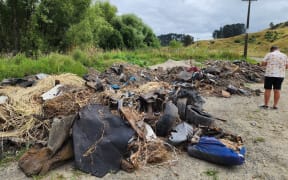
[(247, 27)]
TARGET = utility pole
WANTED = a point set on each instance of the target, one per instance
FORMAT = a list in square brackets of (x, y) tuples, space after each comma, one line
[(247, 27)]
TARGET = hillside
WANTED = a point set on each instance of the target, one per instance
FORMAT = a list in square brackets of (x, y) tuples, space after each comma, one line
[(258, 43)]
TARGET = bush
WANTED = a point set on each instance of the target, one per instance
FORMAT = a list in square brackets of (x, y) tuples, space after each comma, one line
[(175, 44), (237, 41), (252, 39), (81, 57), (271, 36)]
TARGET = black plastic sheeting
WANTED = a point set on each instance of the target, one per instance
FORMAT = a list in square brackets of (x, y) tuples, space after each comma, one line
[(197, 117), (17, 81), (100, 140), (168, 120), (192, 97)]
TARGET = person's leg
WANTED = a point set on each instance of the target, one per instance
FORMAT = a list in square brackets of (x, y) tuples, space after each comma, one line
[(277, 83), (276, 97), (267, 94)]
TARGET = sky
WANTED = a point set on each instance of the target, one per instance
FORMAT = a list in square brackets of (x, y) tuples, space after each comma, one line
[(200, 18)]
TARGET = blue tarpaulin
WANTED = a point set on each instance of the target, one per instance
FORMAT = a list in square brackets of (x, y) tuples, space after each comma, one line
[(212, 150)]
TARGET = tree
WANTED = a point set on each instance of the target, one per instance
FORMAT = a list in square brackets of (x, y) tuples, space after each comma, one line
[(150, 38), (216, 34), (55, 17), (32, 26), (135, 33), (271, 25), (106, 10), (80, 34), (114, 40), (188, 40), (165, 39), (31, 41), (229, 30), (175, 44), (15, 17), (4, 43), (94, 29)]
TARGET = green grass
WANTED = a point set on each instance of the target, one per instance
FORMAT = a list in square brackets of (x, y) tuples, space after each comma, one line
[(38, 177), (12, 157), (212, 173), (259, 43), (20, 66), (258, 140), (78, 60)]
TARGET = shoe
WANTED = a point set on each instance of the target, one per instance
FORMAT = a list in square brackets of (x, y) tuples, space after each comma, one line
[(263, 107), (274, 107)]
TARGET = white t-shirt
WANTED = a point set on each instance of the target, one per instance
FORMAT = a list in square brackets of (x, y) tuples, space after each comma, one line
[(276, 64)]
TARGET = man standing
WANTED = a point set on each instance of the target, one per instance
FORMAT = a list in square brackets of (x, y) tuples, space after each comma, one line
[(276, 63)]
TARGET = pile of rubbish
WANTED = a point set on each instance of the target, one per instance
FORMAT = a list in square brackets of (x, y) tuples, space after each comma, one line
[(123, 118), (219, 78)]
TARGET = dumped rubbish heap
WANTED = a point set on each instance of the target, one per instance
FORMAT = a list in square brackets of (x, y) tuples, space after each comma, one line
[(124, 118), (217, 76)]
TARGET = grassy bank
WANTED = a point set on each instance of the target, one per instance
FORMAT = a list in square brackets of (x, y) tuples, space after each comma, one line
[(77, 61)]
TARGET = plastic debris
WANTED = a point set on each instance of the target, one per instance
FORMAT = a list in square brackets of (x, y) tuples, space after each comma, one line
[(52, 93), (181, 133)]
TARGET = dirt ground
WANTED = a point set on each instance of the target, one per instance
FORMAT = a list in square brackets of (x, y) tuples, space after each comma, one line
[(265, 134)]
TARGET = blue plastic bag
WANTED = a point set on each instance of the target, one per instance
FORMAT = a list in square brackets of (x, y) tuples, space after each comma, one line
[(115, 86)]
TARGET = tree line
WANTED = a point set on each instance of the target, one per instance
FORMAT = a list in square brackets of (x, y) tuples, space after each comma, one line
[(34, 26), (185, 39), (229, 30)]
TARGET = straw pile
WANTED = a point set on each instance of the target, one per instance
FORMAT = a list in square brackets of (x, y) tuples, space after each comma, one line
[(22, 116), (145, 152)]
